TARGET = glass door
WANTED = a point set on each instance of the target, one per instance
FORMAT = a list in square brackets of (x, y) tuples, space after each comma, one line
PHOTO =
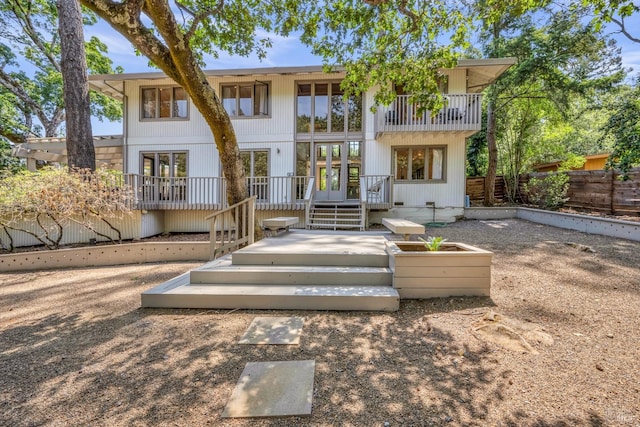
[(328, 171)]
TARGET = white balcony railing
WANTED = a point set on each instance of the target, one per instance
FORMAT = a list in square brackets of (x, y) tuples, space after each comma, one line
[(461, 113), (209, 193)]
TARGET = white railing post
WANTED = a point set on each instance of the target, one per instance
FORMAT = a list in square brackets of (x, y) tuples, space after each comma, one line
[(309, 195)]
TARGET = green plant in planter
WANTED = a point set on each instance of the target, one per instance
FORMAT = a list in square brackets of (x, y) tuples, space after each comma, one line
[(433, 244)]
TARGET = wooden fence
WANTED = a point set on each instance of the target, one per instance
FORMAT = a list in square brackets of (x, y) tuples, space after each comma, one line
[(597, 190), (475, 188), (602, 191)]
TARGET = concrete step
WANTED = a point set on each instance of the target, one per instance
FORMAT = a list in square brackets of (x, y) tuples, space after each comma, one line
[(369, 252), (224, 272), (181, 294), (311, 259)]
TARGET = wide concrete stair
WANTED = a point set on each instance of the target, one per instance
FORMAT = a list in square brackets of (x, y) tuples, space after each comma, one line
[(312, 273)]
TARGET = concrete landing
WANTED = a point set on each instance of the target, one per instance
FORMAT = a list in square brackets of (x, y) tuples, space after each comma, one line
[(301, 248), (272, 389), (273, 330)]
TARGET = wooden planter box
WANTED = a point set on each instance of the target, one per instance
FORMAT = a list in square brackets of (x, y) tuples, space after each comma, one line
[(456, 270)]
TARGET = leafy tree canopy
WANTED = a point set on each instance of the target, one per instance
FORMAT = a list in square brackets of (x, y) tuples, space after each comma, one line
[(31, 97), (615, 12), (624, 126)]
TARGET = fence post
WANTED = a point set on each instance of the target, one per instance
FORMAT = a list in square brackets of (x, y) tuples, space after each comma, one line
[(613, 192)]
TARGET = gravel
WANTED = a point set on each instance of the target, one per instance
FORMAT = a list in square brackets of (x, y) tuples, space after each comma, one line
[(76, 348)]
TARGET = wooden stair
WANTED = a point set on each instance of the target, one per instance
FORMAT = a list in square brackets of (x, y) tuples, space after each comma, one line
[(336, 216)]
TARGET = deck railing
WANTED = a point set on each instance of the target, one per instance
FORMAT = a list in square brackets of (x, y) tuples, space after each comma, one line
[(278, 192), (232, 228), (378, 190), (461, 112), (154, 192), (271, 193), (209, 193)]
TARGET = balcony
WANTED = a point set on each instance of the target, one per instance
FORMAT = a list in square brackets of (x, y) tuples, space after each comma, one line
[(461, 113), (272, 193)]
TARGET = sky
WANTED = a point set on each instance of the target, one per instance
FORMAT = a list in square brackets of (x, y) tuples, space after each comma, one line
[(286, 51)]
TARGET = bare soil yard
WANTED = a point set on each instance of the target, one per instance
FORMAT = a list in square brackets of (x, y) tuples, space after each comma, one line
[(77, 349)]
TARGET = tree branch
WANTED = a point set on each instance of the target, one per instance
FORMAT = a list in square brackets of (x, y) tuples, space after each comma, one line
[(124, 17), (24, 18), (620, 23), (199, 17)]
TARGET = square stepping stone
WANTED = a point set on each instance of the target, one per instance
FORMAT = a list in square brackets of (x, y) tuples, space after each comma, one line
[(272, 389), (273, 330)]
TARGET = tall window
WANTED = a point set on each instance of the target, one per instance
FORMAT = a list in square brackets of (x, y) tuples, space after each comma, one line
[(164, 103), (164, 176), (419, 163), (256, 168), (255, 162), (320, 108), (246, 99)]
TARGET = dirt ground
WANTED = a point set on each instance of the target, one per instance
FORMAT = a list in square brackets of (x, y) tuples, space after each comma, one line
[(77, 349)]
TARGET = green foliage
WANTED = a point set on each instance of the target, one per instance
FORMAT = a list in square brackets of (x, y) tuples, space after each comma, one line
[(550, 192), (613, 11), (477, 155), (564, 69), (387, 43), (8, 164), (624, 126), (29, 35), (433, 244), (42, 203)]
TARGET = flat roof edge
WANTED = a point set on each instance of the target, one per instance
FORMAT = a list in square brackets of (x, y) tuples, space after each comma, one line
[(462, 63)]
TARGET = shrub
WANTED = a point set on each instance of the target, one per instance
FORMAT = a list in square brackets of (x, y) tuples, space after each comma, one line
[(550, 192), (50, 199)]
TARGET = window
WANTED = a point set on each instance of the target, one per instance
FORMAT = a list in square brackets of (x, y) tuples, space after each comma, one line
[(256, 168), (419, 163), (320, 108), (246, 99), (164, 103), (164, 176)]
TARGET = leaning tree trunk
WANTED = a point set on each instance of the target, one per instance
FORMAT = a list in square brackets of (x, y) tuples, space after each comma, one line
[(80, 150), (173, 55), (490, 180)]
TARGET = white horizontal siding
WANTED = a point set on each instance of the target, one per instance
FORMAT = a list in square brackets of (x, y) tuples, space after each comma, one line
[(129, 226), (378, 160), (202, 158)]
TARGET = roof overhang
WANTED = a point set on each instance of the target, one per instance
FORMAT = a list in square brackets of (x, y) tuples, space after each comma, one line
[(480, 74)]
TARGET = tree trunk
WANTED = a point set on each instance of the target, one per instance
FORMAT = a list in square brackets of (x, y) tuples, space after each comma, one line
[(174, 56), (80, 150), (490, 181)]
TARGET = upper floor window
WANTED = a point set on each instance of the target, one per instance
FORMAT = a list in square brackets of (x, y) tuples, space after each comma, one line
[(246, 99), (419, 163), (321, 108), (164, 103)]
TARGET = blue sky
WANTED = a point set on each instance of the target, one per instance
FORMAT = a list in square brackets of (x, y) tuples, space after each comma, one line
[(286, 51)]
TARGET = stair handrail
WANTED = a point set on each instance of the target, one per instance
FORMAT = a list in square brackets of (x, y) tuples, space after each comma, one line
[(363, 203), (240, 218), (309, 196)]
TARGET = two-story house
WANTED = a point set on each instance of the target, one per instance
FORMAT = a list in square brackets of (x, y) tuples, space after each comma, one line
[(307, 152)]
